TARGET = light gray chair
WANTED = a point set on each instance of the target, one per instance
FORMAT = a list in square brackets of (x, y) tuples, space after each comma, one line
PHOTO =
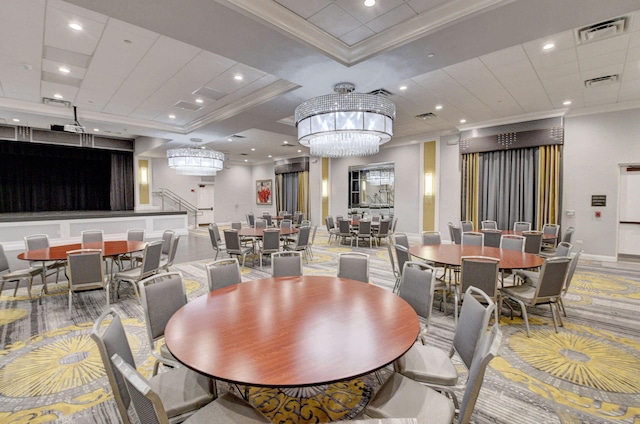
[(286, 264), (551, 231), (400, 396), (16, 276), (133, 234), (394, 268), (150, 265), (512, 242), (182, 391), (223, 273), (430, 238), (150, 407), (482, 273), (301, 243), (214, 236), (532, 241), (353, 265), (251, 219), (402, 255), (417, 289), (331, 228), (568, 235), (167, 237), (234, 245), (344, 231), (41, 241), (434, 367), (85, 272), (383, 232), (270, 243), (466, 226), (488, 225), (364, 233), (314, 229), (244, 240), (400, 239), (162, 295), (92, 236), (260, 223), (287, 223), (472, 238), (492, 238), (455, 233), (548, 290), (520, 226), (168, 261)]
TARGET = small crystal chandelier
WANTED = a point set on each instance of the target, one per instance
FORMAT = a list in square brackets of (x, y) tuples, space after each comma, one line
[(195, 161), (346, 123)]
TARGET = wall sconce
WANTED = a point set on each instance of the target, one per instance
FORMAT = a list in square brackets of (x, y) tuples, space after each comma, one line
[(428, 184), (325, 189), (144, 175)]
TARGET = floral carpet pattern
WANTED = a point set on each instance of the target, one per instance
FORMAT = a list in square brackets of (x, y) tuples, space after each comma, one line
[(588, 372)]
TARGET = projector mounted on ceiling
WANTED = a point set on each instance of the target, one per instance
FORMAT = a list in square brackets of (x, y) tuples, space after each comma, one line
[(72, 128)]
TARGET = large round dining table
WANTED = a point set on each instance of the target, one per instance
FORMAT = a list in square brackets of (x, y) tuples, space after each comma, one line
[(259, 232), (451, 254), (59, 253), (292, 331)]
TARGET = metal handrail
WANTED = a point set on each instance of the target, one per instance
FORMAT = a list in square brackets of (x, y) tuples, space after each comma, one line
[(180, 202)]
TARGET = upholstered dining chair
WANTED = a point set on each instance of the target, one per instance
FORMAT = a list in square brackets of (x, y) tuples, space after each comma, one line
[(482, 273), (394, 267), (301, 243), (260, 223), (182, 391), (162, 295), (92, 236), (150, 264), (363, 233), (401, 396), (215, 240), (488, 225), (472, 238), (430, 238), (331, 228), (270, 243), (400, 239), (168, 261), (532, 241), (223, 273), (133, 234), (563, 249), (85, 271), (150, 407), (466, 226), (314, 230), (286, 264), (383, 231), (6, 275), (353, 265), (234, 246), (344, 231), (167, 237), (455, 233), (492, 238), (417, 288), (512, 242), (520, 226), (551, 231), (41, 241)]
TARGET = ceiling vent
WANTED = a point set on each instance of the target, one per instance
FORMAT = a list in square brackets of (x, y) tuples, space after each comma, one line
[(381, 92), (56, 102), (210, 93), (603, 30), (600, 81), (426, 116), (188, 106), (237, 136)]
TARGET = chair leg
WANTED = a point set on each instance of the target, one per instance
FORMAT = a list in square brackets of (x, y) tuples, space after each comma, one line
[(561, 303), (524, 315), (456, 300), (553, 316)]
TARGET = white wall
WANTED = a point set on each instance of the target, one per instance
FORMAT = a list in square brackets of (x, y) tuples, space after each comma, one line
[(448, 187), (234, 193), (164, 177)]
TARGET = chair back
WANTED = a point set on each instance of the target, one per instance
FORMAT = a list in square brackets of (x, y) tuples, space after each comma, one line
[(394, 225), (286, 264), (251, 219), (286, 223), (85, 269), (455, 233), (268, 219), (167, 236), (492, 238), (287, 216), (396, 272), (313, 235), (417, 288), (402, 254), (563, 249), (232, 240), (111, 339), (472, 238), (430, 238), (354, 265), (236, 225), (375, 218), (36, 241), (305, 223), (552, 278), (489, 225), (271, 240), (345, 229), (173, 249), (328, 222), (472, 324), (572, 270), (487, 350), (213, 238), (568, 235), (4, 262), (282, 213), (364, 228), (532, 241), (135, 234), (551, 229), (92, 236), (151, 258), (223, 273), (383, 228), (162, 295), (260, 223), (480, 272), (512, 242), (303, 237), (401, 239), (466, 226), (146, 403), (520, 226)]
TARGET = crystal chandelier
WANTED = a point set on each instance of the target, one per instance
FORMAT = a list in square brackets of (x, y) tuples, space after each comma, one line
[(346, 123), (195, 161)]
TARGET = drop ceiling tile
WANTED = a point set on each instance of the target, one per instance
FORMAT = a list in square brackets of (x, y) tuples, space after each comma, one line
[(568, 83), (631, 71), (65, 56), (225, 81), (531, 98), (562, 41), (633, 54), (58, 34), (616, 57), (391, 18), (366, 14), (602, 71), (421, 6), (357, 35), (54, 68), (517, 73), (629, 91), (550, 72), (554, 58), (505, 57), (68, 92), (304, 8), (602, 47), (335, 21), (601, 94), (634, 39)]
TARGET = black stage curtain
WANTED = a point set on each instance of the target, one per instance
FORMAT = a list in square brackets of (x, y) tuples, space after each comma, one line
[(41, 177)]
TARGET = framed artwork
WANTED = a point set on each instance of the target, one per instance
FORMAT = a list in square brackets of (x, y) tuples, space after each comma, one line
[(264, 192)]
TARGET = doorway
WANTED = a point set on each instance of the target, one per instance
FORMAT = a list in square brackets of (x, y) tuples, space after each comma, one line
[(629, 214), (205, 204)]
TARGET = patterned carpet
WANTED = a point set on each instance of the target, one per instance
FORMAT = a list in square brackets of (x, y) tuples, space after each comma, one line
[(589, 372)]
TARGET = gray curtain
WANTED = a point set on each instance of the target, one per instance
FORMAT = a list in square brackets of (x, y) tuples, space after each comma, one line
[(290, 191)]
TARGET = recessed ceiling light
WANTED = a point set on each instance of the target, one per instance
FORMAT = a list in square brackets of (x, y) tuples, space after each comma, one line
[(172, 116), (253, 149), (430, 55), (438, 107), (246, 160), (285, 142), (566, 102), (58, 96), (75, 26), (403, 87), (238, 77), (16, 120), (229, 139), (462, 121), (64, 69), (96, 129), (548, 46), (299, 151), (369, 3), (199, 101), (270, 156)]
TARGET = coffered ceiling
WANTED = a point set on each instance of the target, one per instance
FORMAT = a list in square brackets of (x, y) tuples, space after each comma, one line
[(231, 72)]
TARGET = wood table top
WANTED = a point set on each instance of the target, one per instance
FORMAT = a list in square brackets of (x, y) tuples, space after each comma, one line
[(259, 232), (519, 233), (59, 253), (292, 331), (450, 254)]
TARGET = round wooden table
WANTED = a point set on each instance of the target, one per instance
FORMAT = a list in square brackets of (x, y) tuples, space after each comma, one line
[(259, 232), (450, 254), (59, 253), (292, 331)]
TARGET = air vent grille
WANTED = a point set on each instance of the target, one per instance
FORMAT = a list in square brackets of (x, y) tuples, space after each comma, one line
[(603, 30), (188, 106), (237, 136), (56, 102), (381, 92), (600, 81), (426, 116)]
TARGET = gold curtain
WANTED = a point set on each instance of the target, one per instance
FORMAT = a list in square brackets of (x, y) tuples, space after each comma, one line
[(548, 185), (279, 193), (303, 193), (470, 187)]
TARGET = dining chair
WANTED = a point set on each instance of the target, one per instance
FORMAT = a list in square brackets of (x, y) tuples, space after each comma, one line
[(234, 246), (363, 233), (466, 226), (430, 238), (434, 367), (162, 295), (403, 256), (481, 272), (488, 225), (394, 268), (455, 233), (512, 242), (215, 240), (150, 264), (417, 287), (133, 234), (551, 232), (400, 239), (251, 219), (223, 273), (520, 226), (8, 276), (287, 239), (268, 219), (492, 238), (568, 235), (92, 236), (383, 231), (270, 243), (41, 241), (167, 236), (354, 266), (547, 291), (472, 238), (532, 241), (286, 264), (562, 249), (345, 231), (85, 271), (260, 223), (314, 229), (168, 261), (401, 396), (331, 228), (150, 407), (182, 391), (301, 242)]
